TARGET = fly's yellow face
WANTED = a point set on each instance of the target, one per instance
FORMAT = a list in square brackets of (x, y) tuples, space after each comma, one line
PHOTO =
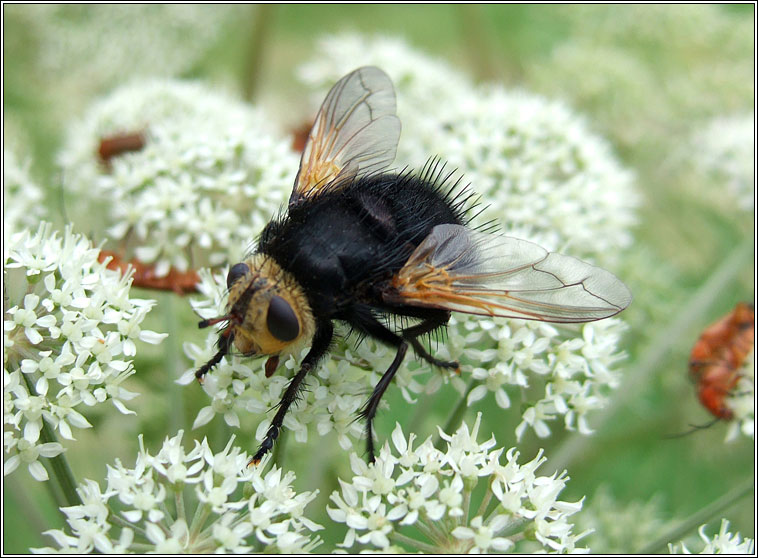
[(270, 311)]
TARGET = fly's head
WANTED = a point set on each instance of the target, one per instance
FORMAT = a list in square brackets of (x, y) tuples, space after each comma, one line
[(267, 312)]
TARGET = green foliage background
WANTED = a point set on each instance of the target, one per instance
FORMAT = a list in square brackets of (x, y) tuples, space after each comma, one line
[(693, 258)]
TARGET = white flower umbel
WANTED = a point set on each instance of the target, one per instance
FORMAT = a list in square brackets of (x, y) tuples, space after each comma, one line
[(723, 542), (422, 499), (334, 394), (210, 173), (22, 197), (724, 152), (191, 502), (68, 340), (425, 86), (742, 401), (566, 371)]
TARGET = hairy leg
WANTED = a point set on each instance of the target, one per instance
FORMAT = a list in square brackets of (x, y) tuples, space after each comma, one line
[(321, 341)]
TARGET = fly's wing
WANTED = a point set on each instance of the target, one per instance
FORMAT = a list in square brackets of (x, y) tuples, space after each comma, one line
[(462, 270), (356, 132)]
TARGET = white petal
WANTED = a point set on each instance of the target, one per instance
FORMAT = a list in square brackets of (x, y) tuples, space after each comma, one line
[(187, 378), (77, 419), (33, 336), (476, 394), (122, 408), (65, 430), (232, 419), (203, 417), (11, 464), (38, 471), (46, 321), (133, 516), (152, 337), (50, 449)]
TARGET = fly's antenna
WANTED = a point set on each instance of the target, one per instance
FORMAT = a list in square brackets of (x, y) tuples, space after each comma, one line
[(202, 324), (693, 428)]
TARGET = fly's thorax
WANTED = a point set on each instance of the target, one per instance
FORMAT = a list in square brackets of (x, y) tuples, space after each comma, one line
[(271, 312)]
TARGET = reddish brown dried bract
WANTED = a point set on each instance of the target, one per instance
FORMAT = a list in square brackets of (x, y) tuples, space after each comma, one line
[(300, 137), (718, 355), (117, 144), (181, 282)]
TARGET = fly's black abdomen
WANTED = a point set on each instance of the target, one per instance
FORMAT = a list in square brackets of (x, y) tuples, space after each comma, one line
[(342, 241)]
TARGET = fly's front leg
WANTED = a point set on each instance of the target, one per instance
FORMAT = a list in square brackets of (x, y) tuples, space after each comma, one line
[(224, 343), (321, 341)]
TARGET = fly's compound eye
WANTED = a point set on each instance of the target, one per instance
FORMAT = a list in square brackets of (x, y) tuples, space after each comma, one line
[(237, 271), (281, 320)]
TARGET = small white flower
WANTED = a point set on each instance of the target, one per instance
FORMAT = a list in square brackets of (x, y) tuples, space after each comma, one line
[(268, 519), (175, 541), (482, 536)]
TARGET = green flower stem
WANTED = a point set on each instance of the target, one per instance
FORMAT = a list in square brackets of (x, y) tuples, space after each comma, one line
[(142, 548), (172, 360), (515, 528), (181, 512), (466, 505), (698, 518), (456, 416), (633, 380), (430, 529), (202, 513), (485, 501), (414, 544), (63, 490), (421, 411), (25, 507), (116, 518), (474, 26), (260, 28)]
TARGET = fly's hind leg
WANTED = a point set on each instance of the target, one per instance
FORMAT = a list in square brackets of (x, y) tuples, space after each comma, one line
[(432, 319), (362, 319)]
